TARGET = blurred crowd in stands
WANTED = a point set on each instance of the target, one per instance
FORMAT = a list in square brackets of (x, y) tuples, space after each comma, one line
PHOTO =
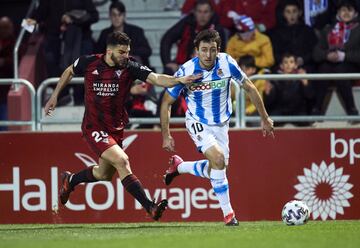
[(264, 36)]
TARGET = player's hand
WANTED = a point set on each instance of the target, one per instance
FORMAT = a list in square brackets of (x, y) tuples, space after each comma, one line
[(66, 19), (50, 106), (332, 57), (190, 79), (305, 82), (268, 127), (268, 87), (169, 144)]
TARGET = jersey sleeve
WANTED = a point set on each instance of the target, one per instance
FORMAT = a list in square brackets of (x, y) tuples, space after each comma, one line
[(236, 73), (139, 71), (79, 66), (175, 91)]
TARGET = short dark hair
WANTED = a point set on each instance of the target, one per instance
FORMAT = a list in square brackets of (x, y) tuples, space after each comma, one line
[(116, 4), (118, 38), (247, 61), (207, 35), (287, 55), (348, 4), (292, 3), (200, 2)]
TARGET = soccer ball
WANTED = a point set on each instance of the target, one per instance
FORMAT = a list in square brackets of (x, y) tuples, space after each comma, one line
[(295, 213)]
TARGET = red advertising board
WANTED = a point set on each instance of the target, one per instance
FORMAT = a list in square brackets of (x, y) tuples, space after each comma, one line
[(319, 167)]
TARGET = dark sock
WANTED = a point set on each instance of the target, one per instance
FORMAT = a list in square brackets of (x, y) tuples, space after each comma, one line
[(170, 176), (174, 174), (134, 187), (84, 176)]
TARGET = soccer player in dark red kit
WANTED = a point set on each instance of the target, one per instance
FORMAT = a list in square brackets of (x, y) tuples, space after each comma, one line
[(108, 79)]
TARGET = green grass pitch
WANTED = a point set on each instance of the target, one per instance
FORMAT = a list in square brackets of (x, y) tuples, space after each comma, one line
[(339, 234)]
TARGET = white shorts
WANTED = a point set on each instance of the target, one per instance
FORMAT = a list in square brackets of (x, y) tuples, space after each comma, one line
[(205, 136)]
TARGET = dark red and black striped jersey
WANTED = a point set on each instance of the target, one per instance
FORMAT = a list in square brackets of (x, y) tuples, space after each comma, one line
[(106, 90)]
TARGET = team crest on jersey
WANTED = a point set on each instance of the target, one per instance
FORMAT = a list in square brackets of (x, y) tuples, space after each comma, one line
[(118, 73), (220, 72)]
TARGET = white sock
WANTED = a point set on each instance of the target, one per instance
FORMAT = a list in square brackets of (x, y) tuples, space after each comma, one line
[(197, 168), (220, 185)]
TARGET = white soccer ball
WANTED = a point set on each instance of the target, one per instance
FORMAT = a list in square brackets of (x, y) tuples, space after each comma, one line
[(295, 213)]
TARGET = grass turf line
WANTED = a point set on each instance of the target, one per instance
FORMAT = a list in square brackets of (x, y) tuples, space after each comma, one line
[(183, 234)]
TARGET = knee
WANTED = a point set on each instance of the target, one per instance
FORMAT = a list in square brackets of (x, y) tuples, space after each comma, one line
[(121, 162), (103, 175), (219, 161)]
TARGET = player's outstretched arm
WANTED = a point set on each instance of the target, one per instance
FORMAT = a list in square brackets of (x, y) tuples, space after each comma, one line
[(63, 81), (170, 81), (165, 112), (266, 122)]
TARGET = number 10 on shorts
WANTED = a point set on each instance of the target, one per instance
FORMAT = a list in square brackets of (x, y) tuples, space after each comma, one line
[(197, 127)]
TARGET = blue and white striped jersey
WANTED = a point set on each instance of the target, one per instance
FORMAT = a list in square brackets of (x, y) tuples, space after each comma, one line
[(209, 99)]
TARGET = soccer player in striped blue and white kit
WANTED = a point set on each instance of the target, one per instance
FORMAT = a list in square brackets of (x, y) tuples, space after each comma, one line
[(207, 118)]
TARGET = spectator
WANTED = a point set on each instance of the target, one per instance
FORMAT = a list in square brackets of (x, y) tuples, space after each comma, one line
[(288, 97), (7, 43), (189, 6), (338, 51), (66, 25), (184, 32), (261, 11), (140, 48), (248, 41), (291, 35), (67, 22), (142, 103), (319, 13), (247, 64)]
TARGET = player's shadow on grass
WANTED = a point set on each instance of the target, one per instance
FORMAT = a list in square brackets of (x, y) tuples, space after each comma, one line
[(143, 226), (147, 226)]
